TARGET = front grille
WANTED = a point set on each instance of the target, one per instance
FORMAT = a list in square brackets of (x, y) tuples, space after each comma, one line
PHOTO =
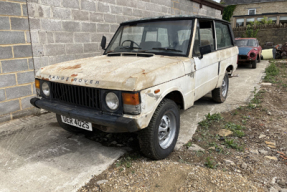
[(242, 57), (82, 96)]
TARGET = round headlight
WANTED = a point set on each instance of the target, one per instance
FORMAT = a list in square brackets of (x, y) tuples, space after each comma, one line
[(112, 101), (46, 89)]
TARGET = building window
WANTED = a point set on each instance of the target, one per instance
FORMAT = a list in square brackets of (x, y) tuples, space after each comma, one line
[(274, 19), (283, 20), (251, 11), (239, 22), (249, 21)]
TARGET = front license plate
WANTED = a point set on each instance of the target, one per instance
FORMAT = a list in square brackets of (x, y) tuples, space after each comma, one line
[(77, 123)]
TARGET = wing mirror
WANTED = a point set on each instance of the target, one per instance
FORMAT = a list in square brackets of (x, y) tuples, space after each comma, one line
[(204, 50), (104, 42)]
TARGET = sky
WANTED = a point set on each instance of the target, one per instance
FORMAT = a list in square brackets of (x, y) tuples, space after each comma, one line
[(217, 1)]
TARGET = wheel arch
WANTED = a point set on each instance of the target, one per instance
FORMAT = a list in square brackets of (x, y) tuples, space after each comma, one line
[(177, 97)]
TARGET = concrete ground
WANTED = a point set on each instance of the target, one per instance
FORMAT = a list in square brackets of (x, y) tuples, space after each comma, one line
[(37, 155)]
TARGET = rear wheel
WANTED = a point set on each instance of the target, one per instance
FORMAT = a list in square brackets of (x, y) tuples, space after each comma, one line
[(219, 95), (254, 64), (67, 127), (158, 140)]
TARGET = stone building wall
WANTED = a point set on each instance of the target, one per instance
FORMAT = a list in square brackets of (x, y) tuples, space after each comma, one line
[(63, 30), (16, 65)]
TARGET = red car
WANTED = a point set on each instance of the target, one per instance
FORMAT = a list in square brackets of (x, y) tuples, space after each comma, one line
[(249, 51)]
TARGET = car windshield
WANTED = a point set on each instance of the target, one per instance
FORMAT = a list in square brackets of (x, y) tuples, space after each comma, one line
[(158, 37), (246, 42)]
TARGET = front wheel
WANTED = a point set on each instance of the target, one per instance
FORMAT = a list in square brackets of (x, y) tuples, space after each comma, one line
[(158, 140), (254, 64), (219, 95)]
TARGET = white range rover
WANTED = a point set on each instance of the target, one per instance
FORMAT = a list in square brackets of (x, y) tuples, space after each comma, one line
[(151, 68)]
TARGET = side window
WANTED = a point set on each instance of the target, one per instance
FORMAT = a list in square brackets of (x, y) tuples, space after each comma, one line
[(206, 34), (222, 35)]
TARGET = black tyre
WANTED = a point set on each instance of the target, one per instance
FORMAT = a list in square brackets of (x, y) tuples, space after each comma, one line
[(158, 140), (67, 127), (254, 64), (259, 58), (219, 95)]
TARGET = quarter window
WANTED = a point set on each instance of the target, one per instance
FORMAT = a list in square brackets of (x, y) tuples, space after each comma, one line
[(222, 35)]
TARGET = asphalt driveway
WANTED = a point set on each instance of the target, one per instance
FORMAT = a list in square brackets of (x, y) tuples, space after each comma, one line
[(37, 155)]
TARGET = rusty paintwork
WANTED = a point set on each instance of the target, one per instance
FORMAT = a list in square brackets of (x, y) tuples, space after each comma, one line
[(118, 73)]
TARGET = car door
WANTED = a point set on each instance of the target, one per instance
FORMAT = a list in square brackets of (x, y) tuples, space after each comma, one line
[(206, 74)]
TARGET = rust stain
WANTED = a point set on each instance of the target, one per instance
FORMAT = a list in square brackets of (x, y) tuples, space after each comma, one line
[(72, 80), (74, 75), (46, 79), (72, 67)]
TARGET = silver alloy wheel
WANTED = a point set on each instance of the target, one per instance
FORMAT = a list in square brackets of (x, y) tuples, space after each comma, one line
[(166, 130), (224, 87)]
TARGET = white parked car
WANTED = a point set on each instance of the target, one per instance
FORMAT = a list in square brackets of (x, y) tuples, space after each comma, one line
[(150, 69)]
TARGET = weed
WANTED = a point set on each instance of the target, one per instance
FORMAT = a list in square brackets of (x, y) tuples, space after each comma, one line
[(271, 72), (233, 126), (235, 113), (205, 124), (232, 144), (215, 117), (210, 163), (238, 133), (127, 160), (188, 144), (251, 106)]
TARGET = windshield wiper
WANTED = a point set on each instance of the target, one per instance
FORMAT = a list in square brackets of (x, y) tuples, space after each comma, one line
[(130, 48), (166, 49)]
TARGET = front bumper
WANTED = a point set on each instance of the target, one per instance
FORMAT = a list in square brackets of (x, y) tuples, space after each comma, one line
[(109, 123)]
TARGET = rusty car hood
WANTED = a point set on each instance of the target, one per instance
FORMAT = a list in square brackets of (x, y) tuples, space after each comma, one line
[(129, 73)]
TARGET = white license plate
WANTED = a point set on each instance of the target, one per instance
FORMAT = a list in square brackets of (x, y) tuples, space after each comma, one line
[(77, 123)]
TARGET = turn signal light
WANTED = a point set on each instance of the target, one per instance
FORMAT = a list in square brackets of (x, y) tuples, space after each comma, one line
[(37, 83), (131, 98)]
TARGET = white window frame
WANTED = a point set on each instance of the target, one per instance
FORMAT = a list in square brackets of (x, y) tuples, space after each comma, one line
[(250, 10)]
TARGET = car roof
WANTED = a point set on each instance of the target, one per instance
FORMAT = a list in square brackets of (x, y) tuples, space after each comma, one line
[(172, 17)]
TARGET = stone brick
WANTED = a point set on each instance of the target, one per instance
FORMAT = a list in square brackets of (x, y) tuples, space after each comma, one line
[(5, 118), (44, 11), (10, 106), (71, 26), (2, 95), (80, 15), (38, 50), (103, 7), (60, 59), (26, 77), (128, 11), (153, 7), (35, 37), (86, 55), (7, 80), (34, 23), (141, 5), (109, 1), (82, 37), (50, 37), (89, 27), (22, 51), (19, 91), (63, 37), (96, 17), (71, 3), (88, 5), (91, 47), (25, 102), (5, 52), (55, 3), (51, 50), (74, 48), (30, 64), (40, 62), (110, 18), (103, 28), (62, 13), (117, 9), (164, 2), (14, 65), (4, 23), (114, 28), (96, 37), (51, 25), (12, 37), (42, 37), (7, 8), (127, 3)]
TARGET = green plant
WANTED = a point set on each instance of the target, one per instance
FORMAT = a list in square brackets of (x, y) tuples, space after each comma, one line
[(233, 126), (215, 117), (251, 30), (230, 143), (238, 133), (210, 163), (271, 72), (205, 124), (228, 12), (188, 144)]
